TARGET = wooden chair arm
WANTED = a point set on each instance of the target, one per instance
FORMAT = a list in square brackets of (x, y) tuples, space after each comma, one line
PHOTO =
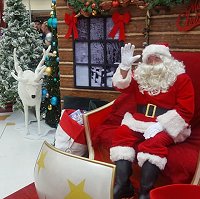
[(196, 178), (91, 120)]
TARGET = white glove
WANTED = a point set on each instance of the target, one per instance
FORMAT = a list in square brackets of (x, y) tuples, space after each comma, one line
[(128, 120), (153, 130), (127, 58)]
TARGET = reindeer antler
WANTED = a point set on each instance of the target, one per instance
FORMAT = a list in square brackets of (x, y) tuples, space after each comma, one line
[(16, 64), (17, 68), (40, 65), (41, 68)]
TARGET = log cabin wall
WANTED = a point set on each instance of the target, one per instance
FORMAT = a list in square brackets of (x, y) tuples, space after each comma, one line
[(162, 29)]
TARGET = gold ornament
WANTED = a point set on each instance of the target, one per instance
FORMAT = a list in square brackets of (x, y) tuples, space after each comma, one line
[(49, 107), (48, 71), (52, 13), (54, 53), (94, 12), (53, 6)]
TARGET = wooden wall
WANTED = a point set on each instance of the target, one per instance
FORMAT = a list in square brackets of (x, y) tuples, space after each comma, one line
[(162, 29)]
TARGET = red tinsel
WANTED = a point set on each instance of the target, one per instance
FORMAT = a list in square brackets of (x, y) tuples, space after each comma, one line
[(119, 21), (71, 21)]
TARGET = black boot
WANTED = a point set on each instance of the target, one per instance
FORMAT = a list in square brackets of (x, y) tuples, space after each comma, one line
[(149, 174), (123, 187)]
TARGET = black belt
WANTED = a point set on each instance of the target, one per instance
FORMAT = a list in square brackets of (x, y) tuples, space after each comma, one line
[(151, 110)]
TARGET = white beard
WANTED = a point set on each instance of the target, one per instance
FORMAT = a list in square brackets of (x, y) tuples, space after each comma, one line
[(158, 78)]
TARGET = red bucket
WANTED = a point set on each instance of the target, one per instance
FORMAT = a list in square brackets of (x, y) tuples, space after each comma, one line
[(176, 191)]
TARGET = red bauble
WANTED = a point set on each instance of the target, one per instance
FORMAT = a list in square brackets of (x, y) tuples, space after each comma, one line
[(87, 3), (115, 3), (93, 5)]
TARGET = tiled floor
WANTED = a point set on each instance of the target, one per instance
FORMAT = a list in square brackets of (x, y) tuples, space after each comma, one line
[(18, 155)]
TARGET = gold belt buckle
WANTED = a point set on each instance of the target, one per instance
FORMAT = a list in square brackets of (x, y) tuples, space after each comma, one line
[(147, 110)]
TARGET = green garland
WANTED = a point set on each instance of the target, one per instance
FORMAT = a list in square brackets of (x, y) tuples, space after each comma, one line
[(87, 6), (167, 3), (79, 5)]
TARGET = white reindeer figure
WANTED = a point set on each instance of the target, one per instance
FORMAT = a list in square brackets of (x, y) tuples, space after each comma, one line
[(29, 86)]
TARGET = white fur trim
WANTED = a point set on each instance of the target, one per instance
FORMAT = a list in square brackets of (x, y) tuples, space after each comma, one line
[(118, 80), (173, 123), (155, 49), (135, 125), (122, 153), (183, 135), (153, 159), (62, 139), (65, 143)]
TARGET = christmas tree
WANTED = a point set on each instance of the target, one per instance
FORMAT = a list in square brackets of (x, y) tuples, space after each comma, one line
[(50, 91), (19, 34)]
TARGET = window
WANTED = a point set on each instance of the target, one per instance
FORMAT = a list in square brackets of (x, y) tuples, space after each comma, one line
[(95, 54)]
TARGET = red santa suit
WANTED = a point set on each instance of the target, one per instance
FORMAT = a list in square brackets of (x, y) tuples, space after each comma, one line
[(172, 108)]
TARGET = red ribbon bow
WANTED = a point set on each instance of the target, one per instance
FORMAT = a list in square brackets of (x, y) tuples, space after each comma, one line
[(119, 21), (71, 21)]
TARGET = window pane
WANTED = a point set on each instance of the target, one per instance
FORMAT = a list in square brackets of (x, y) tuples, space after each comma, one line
[(97, 75), (96, 28), (81, 52), (113, 52), (82, 26), (97, 53), (109, 26), (109, 74), (82, 76)]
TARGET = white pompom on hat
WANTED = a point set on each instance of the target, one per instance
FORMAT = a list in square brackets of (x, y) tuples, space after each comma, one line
[(158, 49)]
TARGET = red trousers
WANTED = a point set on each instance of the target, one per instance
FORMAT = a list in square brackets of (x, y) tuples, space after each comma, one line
[(156, 145)]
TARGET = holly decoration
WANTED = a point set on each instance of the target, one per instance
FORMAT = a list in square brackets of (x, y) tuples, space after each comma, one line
[(95, 7), (84, 7)]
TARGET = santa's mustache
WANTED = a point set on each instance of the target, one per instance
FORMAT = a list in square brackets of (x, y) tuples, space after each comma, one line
[(157, 69)]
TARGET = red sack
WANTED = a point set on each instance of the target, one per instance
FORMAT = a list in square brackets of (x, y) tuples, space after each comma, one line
[(70, 136)]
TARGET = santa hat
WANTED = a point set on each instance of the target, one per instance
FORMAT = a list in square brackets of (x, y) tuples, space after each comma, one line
[(158, 49)]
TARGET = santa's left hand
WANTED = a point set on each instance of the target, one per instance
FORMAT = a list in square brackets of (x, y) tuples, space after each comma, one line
[(153, 130)]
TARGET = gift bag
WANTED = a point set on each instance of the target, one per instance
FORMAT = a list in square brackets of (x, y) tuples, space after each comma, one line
[(70, 133)]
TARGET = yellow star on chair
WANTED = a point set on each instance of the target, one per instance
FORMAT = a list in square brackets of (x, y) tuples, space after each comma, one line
[(77, 191), (40, 161)]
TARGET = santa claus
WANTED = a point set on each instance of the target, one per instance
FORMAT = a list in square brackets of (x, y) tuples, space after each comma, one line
[(165, 104)]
